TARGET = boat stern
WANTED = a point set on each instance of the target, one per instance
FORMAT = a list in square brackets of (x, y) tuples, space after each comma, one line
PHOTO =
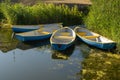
[(59, 46)]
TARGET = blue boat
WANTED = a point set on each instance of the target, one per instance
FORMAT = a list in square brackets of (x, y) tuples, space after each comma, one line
[(26, 28), (94, 39), (40, 34), (62, 38)]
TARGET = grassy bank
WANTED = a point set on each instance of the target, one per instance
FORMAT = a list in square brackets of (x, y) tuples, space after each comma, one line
[(39, 13), (104, 18)]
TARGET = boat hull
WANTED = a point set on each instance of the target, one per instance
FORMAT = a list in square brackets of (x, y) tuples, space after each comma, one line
[(32, 38), (26, 28), (97, 44), (22, 29), (62, 38), (60, 46)]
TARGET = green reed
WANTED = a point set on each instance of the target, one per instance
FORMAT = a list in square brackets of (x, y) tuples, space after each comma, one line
[(104, 18), (40, 13)]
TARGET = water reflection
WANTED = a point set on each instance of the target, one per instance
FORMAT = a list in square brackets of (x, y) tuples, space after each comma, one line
[(37, 61), (63, 54), (33, 44)]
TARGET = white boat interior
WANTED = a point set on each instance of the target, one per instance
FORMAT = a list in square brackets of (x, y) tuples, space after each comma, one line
[(91, 35), (64, 35)]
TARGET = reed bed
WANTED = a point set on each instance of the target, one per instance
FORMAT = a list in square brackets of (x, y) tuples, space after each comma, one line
[(104, 18), (19, 13)]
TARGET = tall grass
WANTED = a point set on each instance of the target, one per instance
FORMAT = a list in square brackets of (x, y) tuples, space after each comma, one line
[(104, 18), (40, 13)]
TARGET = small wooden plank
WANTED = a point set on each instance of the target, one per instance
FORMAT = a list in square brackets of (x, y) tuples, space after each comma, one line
[(64, 37), (81, 33), (53, 30), (44, 32), (40, 29), (91, 37), (65, 33)]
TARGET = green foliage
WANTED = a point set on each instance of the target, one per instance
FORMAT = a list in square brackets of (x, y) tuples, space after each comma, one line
[(40, 13), (104, 18), (1, 14)]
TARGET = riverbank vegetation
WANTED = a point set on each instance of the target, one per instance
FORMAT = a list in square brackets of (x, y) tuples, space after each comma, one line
[(40, 13), (104, 18)]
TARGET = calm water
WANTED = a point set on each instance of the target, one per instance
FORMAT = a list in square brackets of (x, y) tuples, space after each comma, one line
[(37, 61)]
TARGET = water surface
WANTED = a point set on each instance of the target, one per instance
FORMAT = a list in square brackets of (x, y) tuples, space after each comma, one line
[(37, 60)]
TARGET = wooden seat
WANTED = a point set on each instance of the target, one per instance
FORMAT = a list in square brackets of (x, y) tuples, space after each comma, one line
[(40, 29), (44, 32), (81, 33), (63, 37), (90, 37), (53, 30), (65, 34)]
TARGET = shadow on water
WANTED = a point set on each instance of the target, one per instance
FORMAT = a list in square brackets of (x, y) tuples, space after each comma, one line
[(65, 54), (33, 44)]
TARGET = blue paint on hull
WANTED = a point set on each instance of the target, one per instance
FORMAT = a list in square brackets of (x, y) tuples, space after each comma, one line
[(22, 29), (97, 44), (60, 46), (32, 38)]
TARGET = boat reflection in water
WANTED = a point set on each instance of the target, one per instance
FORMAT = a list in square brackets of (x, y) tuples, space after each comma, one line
[(32, 44), (65, 54)]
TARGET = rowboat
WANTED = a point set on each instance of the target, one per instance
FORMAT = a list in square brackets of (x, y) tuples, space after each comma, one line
[(40, 34), (26, 28), (94, 39), (62, 38)]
